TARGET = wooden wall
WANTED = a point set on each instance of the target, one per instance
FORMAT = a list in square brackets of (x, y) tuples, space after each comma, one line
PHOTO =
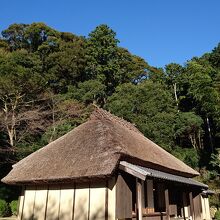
[(107, 200), (205, 208), (187, 204), (72, 202), (123, 198), (197, 206)]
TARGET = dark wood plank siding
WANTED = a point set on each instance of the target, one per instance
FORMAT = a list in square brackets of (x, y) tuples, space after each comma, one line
[(192, 213), (123, 198)]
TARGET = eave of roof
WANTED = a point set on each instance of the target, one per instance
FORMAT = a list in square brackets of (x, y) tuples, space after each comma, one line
[(144, 172)]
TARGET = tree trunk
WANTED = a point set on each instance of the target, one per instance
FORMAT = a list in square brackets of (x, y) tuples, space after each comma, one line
[(193, 141), (10, 116), (176, 97), (53, 120), (210, 134)]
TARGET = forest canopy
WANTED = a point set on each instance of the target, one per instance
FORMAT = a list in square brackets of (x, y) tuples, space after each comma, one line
[(49, 79)]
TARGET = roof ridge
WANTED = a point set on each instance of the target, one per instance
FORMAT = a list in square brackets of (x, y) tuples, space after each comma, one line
[(100, 114)]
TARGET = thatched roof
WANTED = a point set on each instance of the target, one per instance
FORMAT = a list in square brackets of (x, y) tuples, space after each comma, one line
[(94, 150)]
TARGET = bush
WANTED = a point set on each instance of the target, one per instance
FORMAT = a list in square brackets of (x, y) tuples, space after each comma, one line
[(14, 206), (4, 209), (217, 215), (187, 155)]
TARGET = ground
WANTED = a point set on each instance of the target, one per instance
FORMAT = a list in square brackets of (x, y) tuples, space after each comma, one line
[(8, 218)]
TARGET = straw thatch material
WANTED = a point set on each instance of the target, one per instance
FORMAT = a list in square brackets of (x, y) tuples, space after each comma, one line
[(94, 150)]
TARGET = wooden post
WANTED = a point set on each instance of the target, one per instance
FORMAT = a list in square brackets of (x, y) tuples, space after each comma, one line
[(204, 214), (167, 203), (144, 197), (139, 198), (197, 206), (150, 196), (206, 200), (185, 206), (192, 213), (21, 203)]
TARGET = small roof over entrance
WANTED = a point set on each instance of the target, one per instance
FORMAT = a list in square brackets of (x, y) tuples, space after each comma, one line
[(143, 172)]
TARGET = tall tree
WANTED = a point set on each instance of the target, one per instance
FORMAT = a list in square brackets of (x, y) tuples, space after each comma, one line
[(66, 65), (15, 36), (173, 75), (204, 95), (20, 83), (102, 57), (38, 33), (150, 106), (214, 57)]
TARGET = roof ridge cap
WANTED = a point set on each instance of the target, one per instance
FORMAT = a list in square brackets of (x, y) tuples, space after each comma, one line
[(100, 114)]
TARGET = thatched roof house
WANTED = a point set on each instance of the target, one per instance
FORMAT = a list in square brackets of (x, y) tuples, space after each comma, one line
[(105, 153)]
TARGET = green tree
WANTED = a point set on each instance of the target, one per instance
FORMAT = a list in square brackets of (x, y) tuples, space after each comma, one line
[(102, 57), (201, 88), (188, 130), (215, 160), (150, 106), (30, 37), (20, 83), (205, 98), (131, 68), (214, 57), (189, 156), (66, 66), (173, 74), (90, 91), (38, 33), (15, 36)]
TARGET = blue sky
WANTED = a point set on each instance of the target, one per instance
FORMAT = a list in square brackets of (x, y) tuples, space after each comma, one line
[(160, 31)]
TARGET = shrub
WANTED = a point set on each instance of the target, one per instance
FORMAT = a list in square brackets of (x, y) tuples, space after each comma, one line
[(217, 215), (187, 155), (14, 206), (4, 208)]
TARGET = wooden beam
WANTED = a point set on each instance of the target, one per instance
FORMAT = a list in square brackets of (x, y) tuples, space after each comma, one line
[(167, 203), (139, 198)]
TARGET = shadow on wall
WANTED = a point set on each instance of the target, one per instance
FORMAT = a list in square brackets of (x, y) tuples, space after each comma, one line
[(83, 202), (80, 214)]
